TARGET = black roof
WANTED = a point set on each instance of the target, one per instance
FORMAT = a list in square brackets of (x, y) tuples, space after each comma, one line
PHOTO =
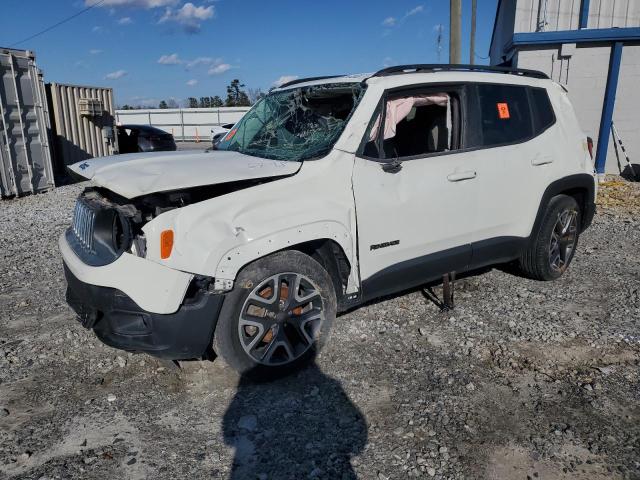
[(446, 67), (434, 67)]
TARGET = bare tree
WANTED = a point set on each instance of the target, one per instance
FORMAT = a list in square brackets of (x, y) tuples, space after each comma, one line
[(255, 94)]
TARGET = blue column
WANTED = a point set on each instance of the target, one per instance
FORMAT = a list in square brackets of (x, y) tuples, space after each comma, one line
[(584, 14), (608, 105)]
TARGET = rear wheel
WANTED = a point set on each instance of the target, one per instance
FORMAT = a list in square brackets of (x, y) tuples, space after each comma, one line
[(552, 248), (278, 315)]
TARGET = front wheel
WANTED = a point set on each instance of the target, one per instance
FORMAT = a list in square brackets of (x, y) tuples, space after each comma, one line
[(277, 317), (552, 247)]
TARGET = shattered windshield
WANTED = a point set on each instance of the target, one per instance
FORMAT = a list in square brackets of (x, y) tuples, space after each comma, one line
[(295, 124)]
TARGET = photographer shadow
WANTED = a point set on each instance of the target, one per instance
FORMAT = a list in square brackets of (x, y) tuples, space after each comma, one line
[(300, 426)]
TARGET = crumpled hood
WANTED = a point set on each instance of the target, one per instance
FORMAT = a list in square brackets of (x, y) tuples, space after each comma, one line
[(135, 174)]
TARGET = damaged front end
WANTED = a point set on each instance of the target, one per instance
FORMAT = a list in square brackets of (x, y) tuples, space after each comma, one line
[(105, 225)]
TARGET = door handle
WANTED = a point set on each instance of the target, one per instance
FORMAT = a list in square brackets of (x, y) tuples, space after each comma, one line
[(541, 160), (459, 176)]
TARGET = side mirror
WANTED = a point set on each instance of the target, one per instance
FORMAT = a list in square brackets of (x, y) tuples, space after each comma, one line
[(393, 166)]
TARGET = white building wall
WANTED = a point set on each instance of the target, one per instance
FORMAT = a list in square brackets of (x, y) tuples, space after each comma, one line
[(547, 15), (614, 13), (551, 15)]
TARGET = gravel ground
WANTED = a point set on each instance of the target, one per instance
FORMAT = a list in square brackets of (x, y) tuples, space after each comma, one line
[(523, 380)]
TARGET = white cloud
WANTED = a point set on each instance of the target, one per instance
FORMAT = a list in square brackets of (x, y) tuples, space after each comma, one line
[(95, 51), (116, 75), (389, 22), (202, 61), (96, 29), (219, 69), (284, 79), (125, 21), (192, 82), (414, 11), (189, 16), (134, 3), (172, 59)]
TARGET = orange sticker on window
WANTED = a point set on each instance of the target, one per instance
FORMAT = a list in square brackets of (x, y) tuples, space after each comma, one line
[(230, 135), (503, 111)]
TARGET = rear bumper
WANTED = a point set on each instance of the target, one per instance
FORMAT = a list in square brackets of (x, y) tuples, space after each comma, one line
[(120, 323)]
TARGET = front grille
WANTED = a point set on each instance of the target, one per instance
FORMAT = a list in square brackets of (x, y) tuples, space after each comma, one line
[(83, 224)]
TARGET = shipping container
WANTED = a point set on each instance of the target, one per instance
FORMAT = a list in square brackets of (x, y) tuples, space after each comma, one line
[(83, 123), (25, 156)]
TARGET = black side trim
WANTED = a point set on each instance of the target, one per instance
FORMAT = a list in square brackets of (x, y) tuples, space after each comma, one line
[(496, 250), (415, 272)]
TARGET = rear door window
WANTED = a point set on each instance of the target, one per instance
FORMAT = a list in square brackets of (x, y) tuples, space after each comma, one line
[(505, 116)]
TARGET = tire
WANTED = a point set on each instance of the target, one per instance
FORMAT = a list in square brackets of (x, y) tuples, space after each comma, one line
[(258, 334), (559, 228)]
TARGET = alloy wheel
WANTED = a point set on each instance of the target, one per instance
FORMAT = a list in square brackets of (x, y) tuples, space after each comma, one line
[(563, 239), (281, 319)]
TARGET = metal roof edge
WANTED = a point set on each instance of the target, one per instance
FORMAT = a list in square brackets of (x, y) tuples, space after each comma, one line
[(583, 35)]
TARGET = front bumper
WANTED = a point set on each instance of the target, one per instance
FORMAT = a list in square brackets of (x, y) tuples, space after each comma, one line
[(154, 287), (120, 323)]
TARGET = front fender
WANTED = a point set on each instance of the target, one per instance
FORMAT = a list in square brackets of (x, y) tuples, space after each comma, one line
[(234, 259), (217, 237)]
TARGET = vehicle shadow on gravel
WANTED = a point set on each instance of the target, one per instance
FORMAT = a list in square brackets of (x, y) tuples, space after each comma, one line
[(301, 426)]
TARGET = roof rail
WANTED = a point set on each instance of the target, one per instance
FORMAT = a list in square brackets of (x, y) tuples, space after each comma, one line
[(308, 79), (444, 67)]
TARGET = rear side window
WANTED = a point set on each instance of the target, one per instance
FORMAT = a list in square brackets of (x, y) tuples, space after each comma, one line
[(543, 116), (505, 116)]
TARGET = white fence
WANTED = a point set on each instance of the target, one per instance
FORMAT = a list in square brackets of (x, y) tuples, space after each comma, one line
[(183, 123)]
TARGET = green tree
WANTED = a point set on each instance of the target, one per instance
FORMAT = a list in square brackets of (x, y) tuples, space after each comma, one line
[(217, 101), (163, 105), (192, 102), (236, 97)]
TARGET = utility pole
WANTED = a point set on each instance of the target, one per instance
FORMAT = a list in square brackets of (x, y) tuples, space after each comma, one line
[(454, 31), (439, 29), (472, 41)]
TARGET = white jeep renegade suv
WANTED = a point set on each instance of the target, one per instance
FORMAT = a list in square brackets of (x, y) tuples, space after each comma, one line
[(328, 193)]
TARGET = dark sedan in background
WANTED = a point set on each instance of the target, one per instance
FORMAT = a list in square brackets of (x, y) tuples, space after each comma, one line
[(144, 138)]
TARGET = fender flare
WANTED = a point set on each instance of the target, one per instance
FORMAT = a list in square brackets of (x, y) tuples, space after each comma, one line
[(233, 260), (566, 185)]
